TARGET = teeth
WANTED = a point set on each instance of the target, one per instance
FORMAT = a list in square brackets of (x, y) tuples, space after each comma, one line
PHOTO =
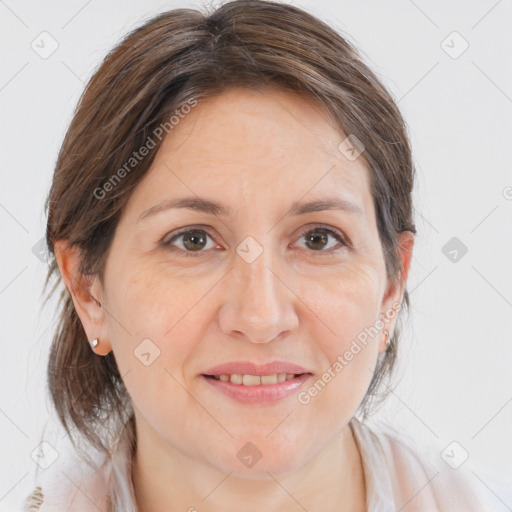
[(255, 380), (250, 380), (267, 379), (236, 379)]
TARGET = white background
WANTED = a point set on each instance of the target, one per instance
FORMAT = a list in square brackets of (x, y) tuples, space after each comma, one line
[(456, 362)]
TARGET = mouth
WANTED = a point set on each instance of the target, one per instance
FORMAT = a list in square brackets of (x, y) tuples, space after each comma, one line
[(255, 380), (250, 383), (247, 383)]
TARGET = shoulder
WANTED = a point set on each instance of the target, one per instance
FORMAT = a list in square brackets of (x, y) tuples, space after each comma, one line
[(411, 477), (72, 484), (34, 501), (73, 487)]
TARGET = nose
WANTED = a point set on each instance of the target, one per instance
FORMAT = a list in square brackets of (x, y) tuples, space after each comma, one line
[(260, 306)]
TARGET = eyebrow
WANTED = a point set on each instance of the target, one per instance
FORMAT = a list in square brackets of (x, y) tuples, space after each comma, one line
[(204, 205)]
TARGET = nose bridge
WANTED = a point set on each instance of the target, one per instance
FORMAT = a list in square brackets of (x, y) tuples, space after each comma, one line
[(259, 281), (259, 286), (259, 307)]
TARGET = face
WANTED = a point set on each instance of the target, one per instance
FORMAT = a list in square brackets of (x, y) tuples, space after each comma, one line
[(256, 281)]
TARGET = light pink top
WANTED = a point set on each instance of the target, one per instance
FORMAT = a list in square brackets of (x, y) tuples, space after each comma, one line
[(398, 478)]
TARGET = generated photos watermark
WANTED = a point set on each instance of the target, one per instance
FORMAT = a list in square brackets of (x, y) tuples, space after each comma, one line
[(361, 340), (137, 156)]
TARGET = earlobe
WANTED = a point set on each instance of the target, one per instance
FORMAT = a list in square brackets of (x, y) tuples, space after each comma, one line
[(102, 350), (82, 290)]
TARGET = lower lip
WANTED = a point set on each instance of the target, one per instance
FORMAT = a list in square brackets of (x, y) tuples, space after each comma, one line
[(261, 393)]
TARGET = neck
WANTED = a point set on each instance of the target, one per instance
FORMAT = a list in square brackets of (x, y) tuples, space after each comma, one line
[(332, 480)]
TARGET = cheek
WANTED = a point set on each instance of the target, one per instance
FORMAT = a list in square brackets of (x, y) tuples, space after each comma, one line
[(153, 301), (345, 301), (156, 326), (346, 308)]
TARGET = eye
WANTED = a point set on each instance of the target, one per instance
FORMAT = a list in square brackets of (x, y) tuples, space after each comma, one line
[(317, 239), (192, 241)]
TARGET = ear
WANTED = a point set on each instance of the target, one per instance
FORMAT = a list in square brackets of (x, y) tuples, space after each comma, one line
[(394, 294), (86, 293)]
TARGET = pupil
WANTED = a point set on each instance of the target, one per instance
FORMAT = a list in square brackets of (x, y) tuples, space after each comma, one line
[(315, 238), (192, 239)]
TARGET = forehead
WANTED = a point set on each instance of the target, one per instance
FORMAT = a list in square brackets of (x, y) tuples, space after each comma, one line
[(253, 146)]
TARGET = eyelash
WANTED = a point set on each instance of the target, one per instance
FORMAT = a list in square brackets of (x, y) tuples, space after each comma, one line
[(194, 254)]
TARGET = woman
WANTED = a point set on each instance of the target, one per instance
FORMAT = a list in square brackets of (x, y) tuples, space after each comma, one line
[(231, 216)]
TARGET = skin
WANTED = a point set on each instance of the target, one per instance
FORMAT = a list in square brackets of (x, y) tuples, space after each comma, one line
[(296, 302)]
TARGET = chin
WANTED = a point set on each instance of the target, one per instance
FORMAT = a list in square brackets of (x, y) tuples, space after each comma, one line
[(254, 458)]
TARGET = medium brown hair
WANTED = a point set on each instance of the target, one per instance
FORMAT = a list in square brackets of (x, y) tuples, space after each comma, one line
[(173, 58)]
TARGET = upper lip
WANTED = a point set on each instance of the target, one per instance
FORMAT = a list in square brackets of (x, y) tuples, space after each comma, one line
[(249, 368)]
